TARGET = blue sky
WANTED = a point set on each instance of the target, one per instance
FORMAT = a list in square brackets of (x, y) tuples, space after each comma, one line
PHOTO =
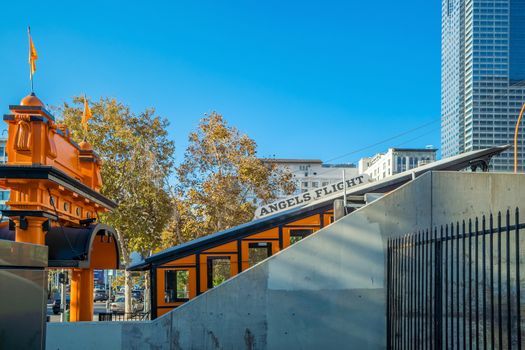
[(305, 79)]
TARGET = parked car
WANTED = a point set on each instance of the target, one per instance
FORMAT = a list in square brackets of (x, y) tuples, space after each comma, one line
[(56, 306), (118, 306), (100, 295), (117, 295)]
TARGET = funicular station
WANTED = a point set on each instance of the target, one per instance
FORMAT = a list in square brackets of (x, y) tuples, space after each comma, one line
[(183, 272), (53, 210), (52, 221)]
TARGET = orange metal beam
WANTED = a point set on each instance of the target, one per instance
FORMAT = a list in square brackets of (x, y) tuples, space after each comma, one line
[(516, 139)]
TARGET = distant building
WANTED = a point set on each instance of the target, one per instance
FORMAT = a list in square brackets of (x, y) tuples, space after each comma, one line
[(482, 77), (394, 161), (4, 194), (312, 173)]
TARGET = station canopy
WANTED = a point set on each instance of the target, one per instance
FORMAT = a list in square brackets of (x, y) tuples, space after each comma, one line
[(91, 246)]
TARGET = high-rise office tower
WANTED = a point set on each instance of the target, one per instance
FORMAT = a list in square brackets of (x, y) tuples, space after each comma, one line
[(482, 76)]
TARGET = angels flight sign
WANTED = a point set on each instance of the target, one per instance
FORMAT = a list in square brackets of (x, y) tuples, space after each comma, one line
[(308, 197)]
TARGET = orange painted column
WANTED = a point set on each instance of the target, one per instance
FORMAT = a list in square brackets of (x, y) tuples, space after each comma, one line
[(34, 233), (81, 297)]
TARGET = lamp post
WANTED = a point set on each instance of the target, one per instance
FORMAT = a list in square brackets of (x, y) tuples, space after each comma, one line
[(516, 140)]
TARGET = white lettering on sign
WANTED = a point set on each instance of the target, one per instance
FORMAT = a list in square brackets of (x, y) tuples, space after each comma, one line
[(306, 197)]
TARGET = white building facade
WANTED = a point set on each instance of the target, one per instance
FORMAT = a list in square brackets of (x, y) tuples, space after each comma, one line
[(394, 161), (313, 173)]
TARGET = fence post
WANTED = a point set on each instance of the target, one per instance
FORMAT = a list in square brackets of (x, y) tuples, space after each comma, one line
[(507, 254), (518, 280), (438, 289), (445, 278), (388, 294)]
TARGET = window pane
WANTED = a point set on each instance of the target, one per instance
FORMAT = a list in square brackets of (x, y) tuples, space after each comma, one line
[(257, 252), (298, 234), (169, 286), (183, 284), (176, 285), (218, 270)]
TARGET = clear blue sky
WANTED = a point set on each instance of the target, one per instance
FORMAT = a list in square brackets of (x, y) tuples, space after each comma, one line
[(305, 79)]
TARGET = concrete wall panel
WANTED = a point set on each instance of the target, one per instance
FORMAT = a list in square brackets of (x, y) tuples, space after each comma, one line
[(203, 322), (458, 196), (84, 336)]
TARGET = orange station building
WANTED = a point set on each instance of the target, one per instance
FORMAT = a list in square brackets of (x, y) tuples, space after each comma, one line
[(55, 199), (183, 272)]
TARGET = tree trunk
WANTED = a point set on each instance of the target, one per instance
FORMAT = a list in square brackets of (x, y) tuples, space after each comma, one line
[(128, 287), (128, 281), (147, 293)]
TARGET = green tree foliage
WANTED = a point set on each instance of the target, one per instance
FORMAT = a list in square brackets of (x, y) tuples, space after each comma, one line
[(137, 159), (221, 180)]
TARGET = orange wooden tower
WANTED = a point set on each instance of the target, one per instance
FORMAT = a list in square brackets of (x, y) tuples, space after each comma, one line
[(55, 199)]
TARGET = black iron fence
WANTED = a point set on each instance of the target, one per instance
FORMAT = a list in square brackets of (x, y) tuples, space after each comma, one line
[(458, 286), (134, 316)]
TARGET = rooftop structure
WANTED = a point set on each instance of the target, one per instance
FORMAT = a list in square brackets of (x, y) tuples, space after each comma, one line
[(395, 160)]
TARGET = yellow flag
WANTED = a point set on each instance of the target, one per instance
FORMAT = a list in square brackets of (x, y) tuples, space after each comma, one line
[(33, 55), (86, 115)]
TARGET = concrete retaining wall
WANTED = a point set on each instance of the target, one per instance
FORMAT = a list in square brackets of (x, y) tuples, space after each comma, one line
[(327, 291)]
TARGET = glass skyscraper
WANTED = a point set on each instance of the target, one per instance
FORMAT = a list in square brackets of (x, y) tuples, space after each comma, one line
[(482, 77)]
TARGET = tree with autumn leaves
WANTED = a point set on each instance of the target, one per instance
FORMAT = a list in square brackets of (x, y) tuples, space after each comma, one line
[(219, 183), (137, 160)]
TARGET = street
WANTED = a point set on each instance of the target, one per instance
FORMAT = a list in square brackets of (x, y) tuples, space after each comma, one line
[(98, 308)]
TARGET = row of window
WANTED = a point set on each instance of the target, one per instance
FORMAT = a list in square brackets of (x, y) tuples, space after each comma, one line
[(177, 282), (314, 184), (402, 164)]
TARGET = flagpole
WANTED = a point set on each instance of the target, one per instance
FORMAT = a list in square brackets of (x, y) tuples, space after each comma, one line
[(30, 69), (83, 126)]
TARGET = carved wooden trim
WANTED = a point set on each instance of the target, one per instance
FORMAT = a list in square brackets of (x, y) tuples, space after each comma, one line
[(23, 133)]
